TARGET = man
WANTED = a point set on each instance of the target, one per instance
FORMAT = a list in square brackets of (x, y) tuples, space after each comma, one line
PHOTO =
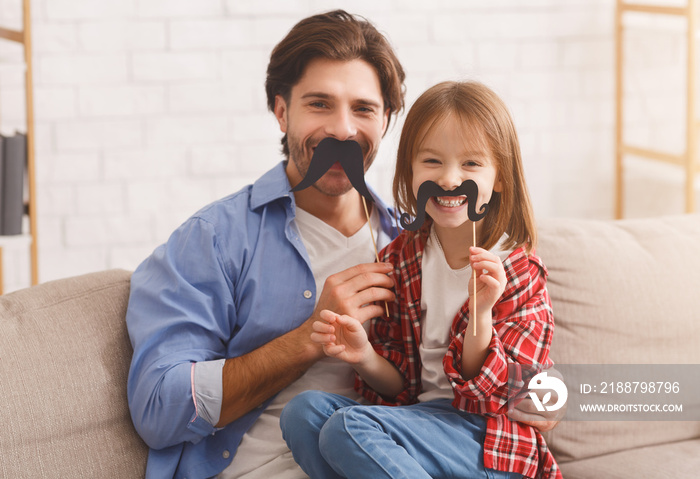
[(220, 316)]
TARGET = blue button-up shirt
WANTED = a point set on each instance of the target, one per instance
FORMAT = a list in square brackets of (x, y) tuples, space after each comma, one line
[(227, 281)]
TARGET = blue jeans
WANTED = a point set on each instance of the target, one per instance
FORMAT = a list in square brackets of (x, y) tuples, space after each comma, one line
[(332, 436)]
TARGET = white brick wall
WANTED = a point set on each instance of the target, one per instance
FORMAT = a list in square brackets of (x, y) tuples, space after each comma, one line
[(146, 110)]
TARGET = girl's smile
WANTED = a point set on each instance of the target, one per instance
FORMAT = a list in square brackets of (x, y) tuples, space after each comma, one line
[(450, 201)]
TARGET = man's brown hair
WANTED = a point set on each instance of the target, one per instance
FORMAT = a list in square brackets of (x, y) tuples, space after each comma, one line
[(335, 35), (485, 119)]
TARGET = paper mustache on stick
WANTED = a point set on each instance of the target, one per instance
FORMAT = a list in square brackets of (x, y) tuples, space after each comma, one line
[(330, 151), (430, 189)]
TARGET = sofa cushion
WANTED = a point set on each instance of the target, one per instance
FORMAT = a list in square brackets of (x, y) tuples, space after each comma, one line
[(65, 356), (671, 461), (623, 292)]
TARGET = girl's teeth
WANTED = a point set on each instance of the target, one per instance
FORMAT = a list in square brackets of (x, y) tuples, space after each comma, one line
[(451, 203)]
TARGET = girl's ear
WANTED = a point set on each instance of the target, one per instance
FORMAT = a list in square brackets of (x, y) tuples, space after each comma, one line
[(498, 185)]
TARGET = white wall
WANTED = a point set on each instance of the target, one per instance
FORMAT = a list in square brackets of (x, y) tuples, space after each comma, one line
[(146, 110)]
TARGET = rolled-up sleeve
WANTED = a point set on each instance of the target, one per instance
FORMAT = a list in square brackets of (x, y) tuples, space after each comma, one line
[(208, 387)]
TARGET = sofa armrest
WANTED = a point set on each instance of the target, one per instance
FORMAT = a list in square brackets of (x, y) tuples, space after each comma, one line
[(64, 360)]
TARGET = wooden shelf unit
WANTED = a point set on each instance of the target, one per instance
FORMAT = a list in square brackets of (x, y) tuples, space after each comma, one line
[(24, 38), (686, 160)]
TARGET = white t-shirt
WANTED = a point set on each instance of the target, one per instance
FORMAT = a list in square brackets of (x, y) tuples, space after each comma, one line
[(443, 292), (263, 454)]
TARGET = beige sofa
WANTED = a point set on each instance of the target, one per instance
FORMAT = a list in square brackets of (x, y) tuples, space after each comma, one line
[(623, 292)]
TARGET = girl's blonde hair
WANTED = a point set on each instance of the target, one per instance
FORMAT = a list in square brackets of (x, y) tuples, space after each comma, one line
[(484, 115)]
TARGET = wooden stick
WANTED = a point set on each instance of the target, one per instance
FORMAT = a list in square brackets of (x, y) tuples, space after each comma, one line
[(374, 243), (474, 274)]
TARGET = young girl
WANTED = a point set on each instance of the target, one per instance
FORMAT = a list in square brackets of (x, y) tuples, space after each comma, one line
[(451, 383)]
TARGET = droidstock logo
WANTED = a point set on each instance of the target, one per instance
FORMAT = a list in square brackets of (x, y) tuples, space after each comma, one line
[(542, 381)]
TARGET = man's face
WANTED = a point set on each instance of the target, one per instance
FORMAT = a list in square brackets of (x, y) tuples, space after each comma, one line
[(337, 99)]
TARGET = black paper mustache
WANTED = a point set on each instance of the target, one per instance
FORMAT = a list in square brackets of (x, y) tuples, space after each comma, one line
[(329, 151), (430, 189)]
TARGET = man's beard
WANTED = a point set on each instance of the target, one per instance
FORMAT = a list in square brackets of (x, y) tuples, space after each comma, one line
[(328, 151)]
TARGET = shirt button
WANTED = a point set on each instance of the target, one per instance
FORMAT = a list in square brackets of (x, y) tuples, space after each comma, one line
[(308, 294), (225, 454)]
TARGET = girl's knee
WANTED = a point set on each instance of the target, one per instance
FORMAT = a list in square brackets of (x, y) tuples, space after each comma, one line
[(308, 398), (301, 401), (298, 409), (339, 433), (334, 436), (307, 410)]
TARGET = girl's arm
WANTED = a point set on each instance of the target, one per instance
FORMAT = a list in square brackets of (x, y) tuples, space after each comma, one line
[(392, 336), (521, 334), (343, 337), (490, 284)]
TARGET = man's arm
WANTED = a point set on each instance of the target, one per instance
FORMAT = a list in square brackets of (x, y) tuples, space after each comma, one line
[(252, 378), (177, 316)]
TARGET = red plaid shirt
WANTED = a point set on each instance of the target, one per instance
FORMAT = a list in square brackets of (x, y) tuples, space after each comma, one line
[(523, 326)]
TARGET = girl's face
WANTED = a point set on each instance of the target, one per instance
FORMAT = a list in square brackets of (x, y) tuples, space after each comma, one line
[(449, 155)]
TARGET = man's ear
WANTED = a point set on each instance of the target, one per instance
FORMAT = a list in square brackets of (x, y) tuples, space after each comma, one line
[(280, 112), (385, 121)]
